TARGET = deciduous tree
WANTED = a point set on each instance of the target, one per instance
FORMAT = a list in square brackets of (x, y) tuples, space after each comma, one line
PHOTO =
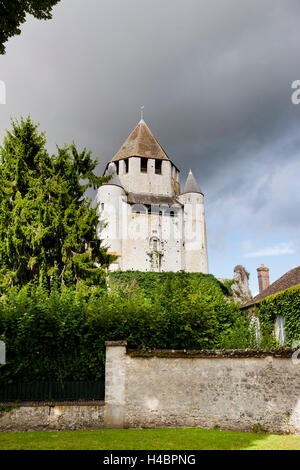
[(13, 14)]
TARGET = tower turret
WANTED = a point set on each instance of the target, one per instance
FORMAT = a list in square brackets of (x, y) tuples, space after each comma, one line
[(110, 197), (194, 231)]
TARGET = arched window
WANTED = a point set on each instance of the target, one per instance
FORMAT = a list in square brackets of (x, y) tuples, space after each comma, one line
[(171, 211), (154, 244)]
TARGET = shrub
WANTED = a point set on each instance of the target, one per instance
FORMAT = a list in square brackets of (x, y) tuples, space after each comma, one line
[(240, 336), (61, 335)]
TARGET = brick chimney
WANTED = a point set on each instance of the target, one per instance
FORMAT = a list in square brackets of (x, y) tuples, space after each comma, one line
[(263, 277)]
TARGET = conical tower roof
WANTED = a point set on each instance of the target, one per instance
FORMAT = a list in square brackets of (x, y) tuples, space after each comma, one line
[(191, 185), (141, 143), (114, 180)]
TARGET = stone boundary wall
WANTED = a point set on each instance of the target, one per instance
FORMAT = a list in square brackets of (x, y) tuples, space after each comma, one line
[(54, 417), (237, 390), (234, 389)]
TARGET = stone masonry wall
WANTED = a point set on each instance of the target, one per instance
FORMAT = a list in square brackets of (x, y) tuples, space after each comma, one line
[(40, 417), (237, 390), (229, 391)]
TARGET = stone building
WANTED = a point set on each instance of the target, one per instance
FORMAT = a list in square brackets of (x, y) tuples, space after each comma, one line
[(288, 280), (145, 219), (285, 282)]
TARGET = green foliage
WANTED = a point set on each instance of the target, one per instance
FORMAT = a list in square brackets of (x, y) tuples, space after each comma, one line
[(240, 336), (61, 335), (193, 302), (258, 428), (285, 304), (7, 409), (228, 284), (47, 336), (149, 282), (13, 14), (47, 227)]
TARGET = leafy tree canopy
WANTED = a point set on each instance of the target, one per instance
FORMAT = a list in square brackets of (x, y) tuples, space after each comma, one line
[(60, 335), (47, 225), (13, 14)]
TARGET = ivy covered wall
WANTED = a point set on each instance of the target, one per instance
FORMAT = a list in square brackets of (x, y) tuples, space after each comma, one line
[(284, 304)]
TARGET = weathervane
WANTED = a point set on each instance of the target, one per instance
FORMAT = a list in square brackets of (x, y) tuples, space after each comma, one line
[(142, 112)]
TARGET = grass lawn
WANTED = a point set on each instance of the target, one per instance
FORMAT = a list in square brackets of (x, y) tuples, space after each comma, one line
[(147, 439)]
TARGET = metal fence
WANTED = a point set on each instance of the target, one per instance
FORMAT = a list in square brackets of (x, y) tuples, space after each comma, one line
[(52, 391)]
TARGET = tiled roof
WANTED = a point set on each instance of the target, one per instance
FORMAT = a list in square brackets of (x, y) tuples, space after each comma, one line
[(148, 199), (114, 180), (290, 279), (191, 185), (141, 143)]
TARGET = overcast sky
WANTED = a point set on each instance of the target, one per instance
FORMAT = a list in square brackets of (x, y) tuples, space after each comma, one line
[(215, 78)]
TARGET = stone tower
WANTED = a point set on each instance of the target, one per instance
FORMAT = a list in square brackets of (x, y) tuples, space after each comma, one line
[(144, 219)]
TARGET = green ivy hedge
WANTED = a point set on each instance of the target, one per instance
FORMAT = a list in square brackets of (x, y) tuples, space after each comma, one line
[(285, 304), (149, 282), (60, 335)]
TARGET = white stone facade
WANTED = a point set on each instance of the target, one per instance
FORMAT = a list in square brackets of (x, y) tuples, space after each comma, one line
[(144, 219)]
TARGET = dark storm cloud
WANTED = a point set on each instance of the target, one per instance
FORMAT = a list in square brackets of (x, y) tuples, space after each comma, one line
[(215, 78)]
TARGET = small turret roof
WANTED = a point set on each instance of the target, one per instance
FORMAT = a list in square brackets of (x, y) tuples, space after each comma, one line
[(141, 143), (191, 185), (114, 180)]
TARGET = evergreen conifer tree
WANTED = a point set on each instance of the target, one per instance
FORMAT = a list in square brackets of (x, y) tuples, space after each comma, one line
[(47, 225)]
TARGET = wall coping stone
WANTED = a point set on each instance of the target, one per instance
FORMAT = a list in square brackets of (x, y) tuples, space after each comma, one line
[(213, 353), (115, 343), (54, 403)]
